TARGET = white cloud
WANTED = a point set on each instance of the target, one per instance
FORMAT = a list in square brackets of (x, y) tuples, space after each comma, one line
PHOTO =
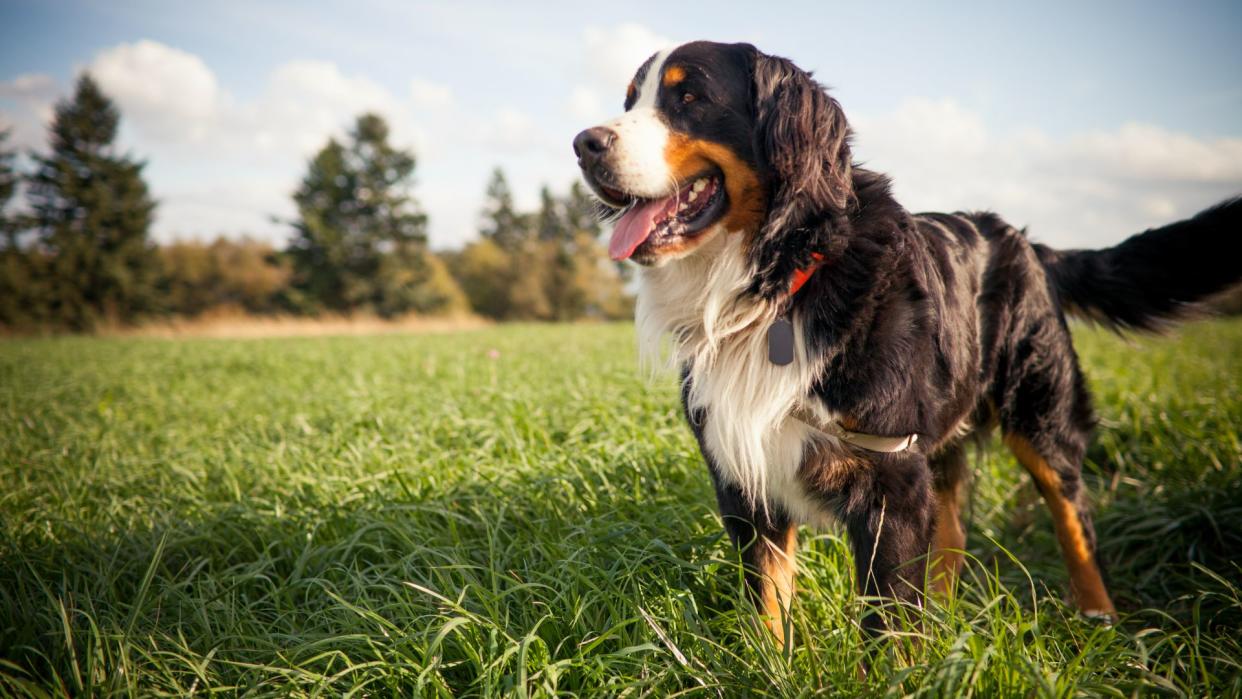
[(306, 101), (1159, 207), (317, 83), (31, 96), (1083, 190), (610, 58), (206, 209), (166, 93), (29, 86), (509, 129), (1144, 151), (170, 98), (612, 55), (586, 105), (430, 94)]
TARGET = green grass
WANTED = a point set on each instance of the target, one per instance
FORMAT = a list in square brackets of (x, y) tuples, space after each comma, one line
[(404, 515)]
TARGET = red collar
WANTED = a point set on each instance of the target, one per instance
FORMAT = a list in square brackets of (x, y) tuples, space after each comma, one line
[(801, 276)]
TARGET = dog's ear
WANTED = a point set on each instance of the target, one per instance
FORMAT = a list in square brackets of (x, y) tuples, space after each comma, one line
[(802, 137), (802, 142)]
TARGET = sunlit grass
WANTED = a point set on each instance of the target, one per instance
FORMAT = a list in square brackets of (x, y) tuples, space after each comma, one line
[(408, 515)]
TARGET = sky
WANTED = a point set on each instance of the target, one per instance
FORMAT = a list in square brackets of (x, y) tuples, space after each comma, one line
[(1085, 122)]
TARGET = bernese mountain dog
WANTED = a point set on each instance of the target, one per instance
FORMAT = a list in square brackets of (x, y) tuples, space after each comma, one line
[(837, 352)]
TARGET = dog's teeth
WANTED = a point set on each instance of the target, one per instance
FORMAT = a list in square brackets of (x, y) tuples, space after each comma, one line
[(683, 207), (693, 195), (700, 184)]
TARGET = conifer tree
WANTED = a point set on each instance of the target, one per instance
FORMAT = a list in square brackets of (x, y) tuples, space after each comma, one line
[(566, 299), (360, 238), (23, 289), (9, 225), (582, 212), (500, 222), (91, 212), (550, 221)]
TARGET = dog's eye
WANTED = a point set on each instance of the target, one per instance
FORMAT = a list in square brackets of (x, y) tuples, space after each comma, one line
[(687, 97)]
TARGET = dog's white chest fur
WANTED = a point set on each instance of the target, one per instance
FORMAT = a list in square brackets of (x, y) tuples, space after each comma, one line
[(747, 400)]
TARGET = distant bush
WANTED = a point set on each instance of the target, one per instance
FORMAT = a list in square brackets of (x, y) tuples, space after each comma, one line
[(482, 270), (543, 265), (419, 283), (244, 274), (26, 289)]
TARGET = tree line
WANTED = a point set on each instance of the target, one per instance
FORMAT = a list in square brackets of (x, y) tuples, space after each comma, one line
[(80, 253)]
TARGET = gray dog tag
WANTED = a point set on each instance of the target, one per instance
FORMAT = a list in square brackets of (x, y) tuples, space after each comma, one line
[(781, 342)]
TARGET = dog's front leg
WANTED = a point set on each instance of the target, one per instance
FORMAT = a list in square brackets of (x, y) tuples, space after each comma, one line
[(766, 537), (768, 542), (890, 517)]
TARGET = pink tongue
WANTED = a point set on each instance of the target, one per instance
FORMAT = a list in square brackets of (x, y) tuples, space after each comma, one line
[(633, 228)]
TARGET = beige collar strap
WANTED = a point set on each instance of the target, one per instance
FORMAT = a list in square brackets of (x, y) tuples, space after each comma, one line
[(870, 442)]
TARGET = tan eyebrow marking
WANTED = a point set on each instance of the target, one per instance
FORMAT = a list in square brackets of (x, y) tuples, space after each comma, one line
[(673, 75), (629, 91)]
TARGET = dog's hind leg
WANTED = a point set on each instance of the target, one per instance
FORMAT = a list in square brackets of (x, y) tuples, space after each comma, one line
[(1059, 482), (1046, 418), (948, 473)]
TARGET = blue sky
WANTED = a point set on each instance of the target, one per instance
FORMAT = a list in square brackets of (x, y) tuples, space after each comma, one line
[(1085, 121)]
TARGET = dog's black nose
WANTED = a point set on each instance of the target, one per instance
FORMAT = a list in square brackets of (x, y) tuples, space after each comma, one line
[(590, 145)]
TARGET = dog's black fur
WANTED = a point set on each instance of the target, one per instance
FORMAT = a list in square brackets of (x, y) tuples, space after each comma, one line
[(940, 325)]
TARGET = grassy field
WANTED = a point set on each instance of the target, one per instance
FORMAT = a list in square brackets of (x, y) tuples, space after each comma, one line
[(515, 510)]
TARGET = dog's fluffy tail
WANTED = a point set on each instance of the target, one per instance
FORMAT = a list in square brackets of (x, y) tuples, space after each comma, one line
[(1155, 276)]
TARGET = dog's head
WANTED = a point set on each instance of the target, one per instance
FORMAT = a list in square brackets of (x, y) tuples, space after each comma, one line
[(716, 139)]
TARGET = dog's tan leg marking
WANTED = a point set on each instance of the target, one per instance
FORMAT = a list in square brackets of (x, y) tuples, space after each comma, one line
[(948, 542), (1085, 580), (777, 569)]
